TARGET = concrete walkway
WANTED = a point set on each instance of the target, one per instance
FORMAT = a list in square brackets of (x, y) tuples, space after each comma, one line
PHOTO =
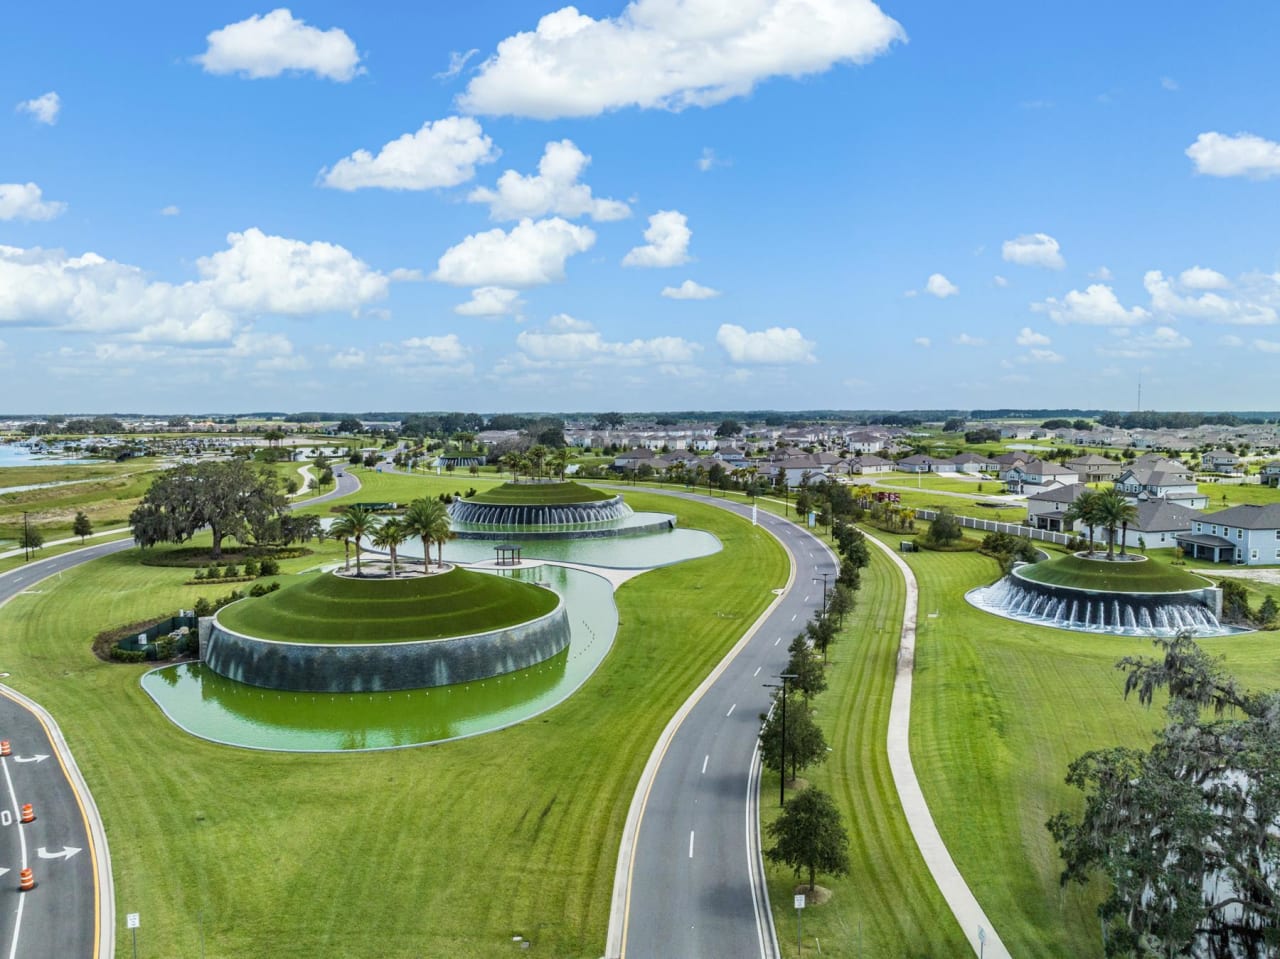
[(975, 925)]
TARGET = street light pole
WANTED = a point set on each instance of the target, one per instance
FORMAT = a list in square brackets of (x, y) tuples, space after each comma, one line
[(26, 538), (824, 574), (782, 772)]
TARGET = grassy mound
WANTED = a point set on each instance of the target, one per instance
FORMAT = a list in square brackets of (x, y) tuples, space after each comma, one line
[(326, 608), (539, 494), (1127, 577)]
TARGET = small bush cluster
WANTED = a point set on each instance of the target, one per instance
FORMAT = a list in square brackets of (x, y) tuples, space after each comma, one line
[(1009, 549)]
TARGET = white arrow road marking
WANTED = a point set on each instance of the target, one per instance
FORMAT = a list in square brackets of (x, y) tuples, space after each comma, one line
[(65, 853), (37, 758), (3, 870)]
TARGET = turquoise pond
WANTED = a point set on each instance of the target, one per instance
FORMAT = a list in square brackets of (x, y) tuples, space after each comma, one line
[(212, 707)]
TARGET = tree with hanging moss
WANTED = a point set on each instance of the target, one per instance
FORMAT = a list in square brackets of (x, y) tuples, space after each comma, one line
[(1186, 834)]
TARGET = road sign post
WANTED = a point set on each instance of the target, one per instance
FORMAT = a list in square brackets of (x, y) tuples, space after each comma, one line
[(799, 908), (132, 923)]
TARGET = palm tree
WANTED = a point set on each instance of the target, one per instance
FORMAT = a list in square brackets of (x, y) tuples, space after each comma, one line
[(560, 461), (1113, 511), (354, 524), (538, 458), (390, 535), (1084, 509), (428, 519), (510, 461)]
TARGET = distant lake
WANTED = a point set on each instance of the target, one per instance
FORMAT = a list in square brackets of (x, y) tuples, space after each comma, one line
[(11, 454)]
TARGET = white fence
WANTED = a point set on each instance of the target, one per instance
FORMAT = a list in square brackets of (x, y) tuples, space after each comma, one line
[(991, 526)]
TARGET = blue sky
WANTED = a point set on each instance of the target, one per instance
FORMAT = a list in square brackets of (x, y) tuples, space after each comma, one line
[(668, 204)]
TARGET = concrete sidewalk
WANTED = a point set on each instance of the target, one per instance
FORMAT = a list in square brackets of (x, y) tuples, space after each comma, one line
[(975, 925)]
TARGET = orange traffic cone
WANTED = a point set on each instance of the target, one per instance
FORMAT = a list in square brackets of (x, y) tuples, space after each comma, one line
[(28, 813), (5, 748), (26, 880)]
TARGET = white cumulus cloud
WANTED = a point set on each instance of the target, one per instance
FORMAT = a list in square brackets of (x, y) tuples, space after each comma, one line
[(668, 238), (1202, 278), (689, 290), (533, 252), (1096, 306), (43, 108), (491, 301), (964, 339), (25, 201), (570, 340), (1244, 154), (923, 341), (1253, 305), (1034, 249), (1029, 337), (776, 345), (270, 44), (672, 54), (1266, 346), (554, 189), (440, 154), (939, 286), (348, 359), (170, 210), (1132, 345)]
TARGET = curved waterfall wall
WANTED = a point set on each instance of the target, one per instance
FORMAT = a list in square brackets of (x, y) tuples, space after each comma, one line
[(334, 668), (1096, 611)]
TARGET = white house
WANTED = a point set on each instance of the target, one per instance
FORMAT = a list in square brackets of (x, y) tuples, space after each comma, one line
[(1038, 473), (1270, 474), (867, 463), (1248, 535), (862, 441), (973, 463), (1047, 509), (1220, 461), (1144, 484)]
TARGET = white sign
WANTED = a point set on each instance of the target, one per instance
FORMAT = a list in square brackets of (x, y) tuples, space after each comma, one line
[(800, 902), (131, 921)]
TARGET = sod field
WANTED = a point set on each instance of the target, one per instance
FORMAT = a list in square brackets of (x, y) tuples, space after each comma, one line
[(327, 608), (1147, 576), (447, 850), (539, 494)]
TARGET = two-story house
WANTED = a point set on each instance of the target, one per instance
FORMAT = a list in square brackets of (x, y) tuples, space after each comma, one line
[(1139, 485), (1248, 535)]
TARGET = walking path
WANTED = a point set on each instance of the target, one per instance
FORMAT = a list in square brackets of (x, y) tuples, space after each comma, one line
[(119, 531), (975, 925)]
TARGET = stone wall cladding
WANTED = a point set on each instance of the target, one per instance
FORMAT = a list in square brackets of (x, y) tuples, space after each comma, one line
[(384, 667)]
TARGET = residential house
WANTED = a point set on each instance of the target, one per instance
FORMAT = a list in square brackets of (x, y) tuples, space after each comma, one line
[(1220, 461), (1160, 521), (1047, 509), (1247, 535), (973, 463), (1270, 474), (797, 468), (632, 459), (867, 463), (919, 463), (1095, 469), (862, 441), (1038, 473), (1144, 484)]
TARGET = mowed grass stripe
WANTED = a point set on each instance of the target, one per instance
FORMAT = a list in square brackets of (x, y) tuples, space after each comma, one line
[(446, 850), (889, 905), (539, 494)]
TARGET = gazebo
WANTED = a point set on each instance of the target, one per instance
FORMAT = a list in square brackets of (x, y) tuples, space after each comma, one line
[(507, 554)]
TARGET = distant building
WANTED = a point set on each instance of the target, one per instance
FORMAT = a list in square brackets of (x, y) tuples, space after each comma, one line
[(1248, 535)]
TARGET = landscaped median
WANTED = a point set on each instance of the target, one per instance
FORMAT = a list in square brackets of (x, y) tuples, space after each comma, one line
[(448, 850)]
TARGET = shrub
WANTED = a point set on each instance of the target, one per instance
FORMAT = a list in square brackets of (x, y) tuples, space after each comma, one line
[(127, 655), (202, 607), (212, 572), (199, 574), (258, 589), (229, 571), (251, 567), (268, 567), (944, 530)]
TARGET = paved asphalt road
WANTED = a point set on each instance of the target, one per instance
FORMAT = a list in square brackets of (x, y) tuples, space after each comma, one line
[(695, 889), (57, 919)]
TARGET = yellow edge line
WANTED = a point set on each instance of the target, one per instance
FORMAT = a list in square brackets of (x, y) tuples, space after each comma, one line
[(84, 815)]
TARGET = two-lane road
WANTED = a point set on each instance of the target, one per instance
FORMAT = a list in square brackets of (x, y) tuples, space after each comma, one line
[(695, 886)]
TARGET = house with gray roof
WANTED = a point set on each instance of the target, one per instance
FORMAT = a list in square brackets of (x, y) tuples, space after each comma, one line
[(1220, 461), (1037, 473), (870, 463), (1095, 469), (1047, 509), (1139, 484), (1248, 535), (1270, 474)]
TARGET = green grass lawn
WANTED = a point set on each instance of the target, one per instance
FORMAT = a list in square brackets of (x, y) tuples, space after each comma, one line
[(999, 710), (936, 481), (539, 494), (1149, 576), (326, 608), (888, 906), (107, 497), (446, 850), (1222, 496)]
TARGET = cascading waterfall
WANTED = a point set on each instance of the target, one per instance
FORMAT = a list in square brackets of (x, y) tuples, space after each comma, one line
[(1125, 614), (572, 516)]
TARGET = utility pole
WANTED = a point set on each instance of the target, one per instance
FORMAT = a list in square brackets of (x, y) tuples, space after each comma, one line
[(26, 538)]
